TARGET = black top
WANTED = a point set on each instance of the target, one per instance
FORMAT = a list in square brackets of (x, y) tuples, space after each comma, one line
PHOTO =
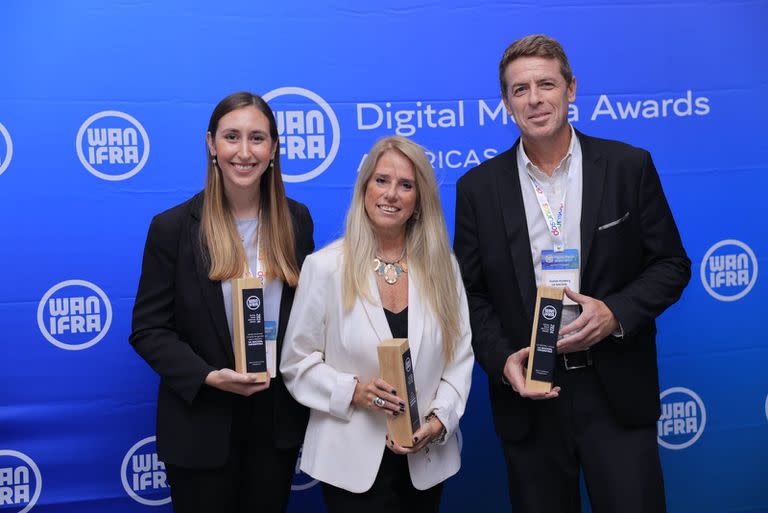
[(398, 322)]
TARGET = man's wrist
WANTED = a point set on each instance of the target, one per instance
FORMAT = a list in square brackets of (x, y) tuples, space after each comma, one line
[(211, 379), (504, 378)]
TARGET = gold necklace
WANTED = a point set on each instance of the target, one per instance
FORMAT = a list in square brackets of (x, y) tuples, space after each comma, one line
[(390, 271)]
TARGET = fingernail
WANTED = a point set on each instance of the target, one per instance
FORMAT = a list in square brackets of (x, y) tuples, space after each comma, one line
[(396, 413), (402, 405), (392, 442), (394, 392), (415, 439)]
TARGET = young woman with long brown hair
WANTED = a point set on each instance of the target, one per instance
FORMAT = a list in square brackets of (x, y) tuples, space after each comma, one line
[(228, 442)]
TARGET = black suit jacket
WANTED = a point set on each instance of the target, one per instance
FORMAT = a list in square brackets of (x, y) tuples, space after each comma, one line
[(180, 329), (631, 258)]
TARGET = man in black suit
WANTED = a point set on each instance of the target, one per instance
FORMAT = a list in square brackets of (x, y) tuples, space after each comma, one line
[(598, 209)]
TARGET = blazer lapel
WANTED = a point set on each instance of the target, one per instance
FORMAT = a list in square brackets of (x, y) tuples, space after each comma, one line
[(286, 302), (375, 311), (416, 314), (513, 213), (211, 290), (593, 179)]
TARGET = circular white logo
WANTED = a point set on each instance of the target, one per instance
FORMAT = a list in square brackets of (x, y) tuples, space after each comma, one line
[(143, 474), (301, 481), (549, 312), (112, 145), (6, 139), (729, 270), (408, 364), (20, 481), (683, 418), (74, 315), (253, 302), (307, 144)]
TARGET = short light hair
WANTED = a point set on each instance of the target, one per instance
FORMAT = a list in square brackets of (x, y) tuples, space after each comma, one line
[(536, 45)]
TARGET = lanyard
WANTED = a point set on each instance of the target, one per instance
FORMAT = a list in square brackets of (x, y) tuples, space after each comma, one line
[(554, 220), (259, 258)]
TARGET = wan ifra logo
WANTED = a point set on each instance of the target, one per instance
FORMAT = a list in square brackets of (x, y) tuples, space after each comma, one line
[(20, 482), (308, 132), (112, 145), (683, 418), (729, 270), (74, 315), (143, 474)]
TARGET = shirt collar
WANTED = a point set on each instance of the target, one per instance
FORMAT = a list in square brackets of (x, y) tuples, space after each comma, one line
[(524, 163)]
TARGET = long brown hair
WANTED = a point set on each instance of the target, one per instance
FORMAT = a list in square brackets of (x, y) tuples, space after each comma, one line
[(218, 231)]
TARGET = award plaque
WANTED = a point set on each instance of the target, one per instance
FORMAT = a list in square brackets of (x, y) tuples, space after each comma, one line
[(397, 369), (546, 327), (248, 327)]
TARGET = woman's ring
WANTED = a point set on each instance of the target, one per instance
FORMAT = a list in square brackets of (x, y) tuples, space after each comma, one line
[(378, 401)]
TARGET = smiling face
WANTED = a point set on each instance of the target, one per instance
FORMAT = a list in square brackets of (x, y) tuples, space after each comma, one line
[(243, 148), (537, 97), (391, 194)]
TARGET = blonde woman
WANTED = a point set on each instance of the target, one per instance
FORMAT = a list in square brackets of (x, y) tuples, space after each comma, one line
[(228, 443), (392, 275)]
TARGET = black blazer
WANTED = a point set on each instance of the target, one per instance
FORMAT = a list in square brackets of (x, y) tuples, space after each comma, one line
[(631, 258), (180, 329)]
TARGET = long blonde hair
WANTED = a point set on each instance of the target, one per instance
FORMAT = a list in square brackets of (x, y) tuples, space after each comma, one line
[(429, 252), (219, 234)]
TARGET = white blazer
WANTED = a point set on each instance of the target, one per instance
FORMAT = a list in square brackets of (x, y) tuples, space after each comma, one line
[(326, 348)]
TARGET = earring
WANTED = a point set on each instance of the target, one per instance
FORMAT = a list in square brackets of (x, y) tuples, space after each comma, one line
[(215, 162), (271, 163)]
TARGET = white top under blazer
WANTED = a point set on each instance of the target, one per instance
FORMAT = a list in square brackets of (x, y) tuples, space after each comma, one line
[(326, 348)]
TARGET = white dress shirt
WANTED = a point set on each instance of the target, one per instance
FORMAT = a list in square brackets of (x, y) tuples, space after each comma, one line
[(567, 176)]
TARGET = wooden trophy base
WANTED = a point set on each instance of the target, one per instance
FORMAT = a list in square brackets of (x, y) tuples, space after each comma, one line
[(248, 328), (396, 368), (543, 349)]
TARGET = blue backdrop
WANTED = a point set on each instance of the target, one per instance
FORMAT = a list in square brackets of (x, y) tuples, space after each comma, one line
[(103, 111)]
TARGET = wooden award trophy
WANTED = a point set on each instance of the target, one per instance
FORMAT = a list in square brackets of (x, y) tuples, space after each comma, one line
[(546, 328), (248, 327), (397, 369)]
